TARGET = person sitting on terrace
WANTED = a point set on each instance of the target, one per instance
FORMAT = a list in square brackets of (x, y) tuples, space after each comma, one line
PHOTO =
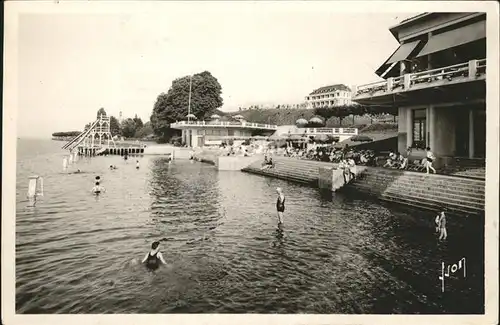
[(345, 170), (268, 164), (352, 168), (265, 161), (363, 158), (391, 160)]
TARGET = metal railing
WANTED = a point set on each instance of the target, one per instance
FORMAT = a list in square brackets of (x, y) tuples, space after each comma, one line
[(337, 131), (469, 70), (225, 123)]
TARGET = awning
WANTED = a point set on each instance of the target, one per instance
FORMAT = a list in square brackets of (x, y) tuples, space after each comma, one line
[(403, 52), (456, 37)]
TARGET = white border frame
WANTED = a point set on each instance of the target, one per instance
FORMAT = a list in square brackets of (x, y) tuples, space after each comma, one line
[(14, 8)]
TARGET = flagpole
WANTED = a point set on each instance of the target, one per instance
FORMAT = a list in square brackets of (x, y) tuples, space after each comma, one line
[(189, 101)]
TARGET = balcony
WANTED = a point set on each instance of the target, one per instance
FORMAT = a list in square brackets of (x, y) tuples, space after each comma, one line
[(451, 75), (225, 124), (326, 131)]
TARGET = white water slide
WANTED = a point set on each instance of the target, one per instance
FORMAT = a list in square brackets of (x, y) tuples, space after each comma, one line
[(79, 138)]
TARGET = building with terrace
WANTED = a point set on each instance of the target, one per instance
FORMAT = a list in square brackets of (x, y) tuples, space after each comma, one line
[(437, 80), (214, 132), (330, 96)]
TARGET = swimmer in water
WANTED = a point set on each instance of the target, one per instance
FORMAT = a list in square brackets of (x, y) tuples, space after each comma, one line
[(280, 205), (137, 164), (154, 257), (97, 189), (97, 178)]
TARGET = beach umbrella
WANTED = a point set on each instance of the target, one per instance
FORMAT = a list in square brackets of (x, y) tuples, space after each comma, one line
[(301, 122), (238, 117), (321, 138), (361, 138), (276, 136), (215, 117), (316, 120), (296, 137), (191, 116)]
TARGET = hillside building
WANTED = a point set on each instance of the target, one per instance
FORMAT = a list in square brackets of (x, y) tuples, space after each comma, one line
[(330, 96)]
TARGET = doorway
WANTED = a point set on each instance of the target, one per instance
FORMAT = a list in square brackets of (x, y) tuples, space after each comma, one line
[(462, 132)]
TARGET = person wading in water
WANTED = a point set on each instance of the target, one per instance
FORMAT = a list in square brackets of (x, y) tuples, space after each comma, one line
[(280, 205), (154, 257)]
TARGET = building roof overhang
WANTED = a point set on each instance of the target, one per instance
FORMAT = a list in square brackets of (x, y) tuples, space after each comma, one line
[(454, 92), (394, 29)]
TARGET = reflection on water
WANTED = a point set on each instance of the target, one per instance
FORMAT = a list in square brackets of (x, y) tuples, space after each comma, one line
[(76, 253)]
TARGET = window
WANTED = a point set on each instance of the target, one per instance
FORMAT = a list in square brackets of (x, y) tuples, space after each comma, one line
[(419, 128)]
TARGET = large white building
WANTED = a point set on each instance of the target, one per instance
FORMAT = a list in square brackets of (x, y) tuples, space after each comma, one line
[(330, 96)]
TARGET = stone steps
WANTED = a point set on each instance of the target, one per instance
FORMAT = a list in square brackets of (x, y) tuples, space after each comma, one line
[(464, 196), (429, 206), (417, 202), (476, 191), (460, 195)]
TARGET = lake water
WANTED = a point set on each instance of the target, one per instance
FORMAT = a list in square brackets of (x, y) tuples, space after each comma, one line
[(76, 253)]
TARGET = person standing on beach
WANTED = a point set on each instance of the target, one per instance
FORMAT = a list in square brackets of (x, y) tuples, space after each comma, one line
[(137, 164), (280, 205)]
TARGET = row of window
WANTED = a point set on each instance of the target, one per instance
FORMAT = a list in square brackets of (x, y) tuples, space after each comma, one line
[(332, 103), (419, 118), (333, 95)]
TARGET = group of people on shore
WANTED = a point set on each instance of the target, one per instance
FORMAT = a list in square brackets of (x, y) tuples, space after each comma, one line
[(398, 161)]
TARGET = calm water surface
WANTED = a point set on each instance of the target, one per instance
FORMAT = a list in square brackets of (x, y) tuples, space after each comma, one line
[(76, 253)]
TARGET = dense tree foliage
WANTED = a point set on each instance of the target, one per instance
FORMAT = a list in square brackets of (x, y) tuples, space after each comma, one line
[(101, 111), (138, 122), (173, 105), (66, 134), (144, 131), (355, 110), (128, 128), (114, 126)]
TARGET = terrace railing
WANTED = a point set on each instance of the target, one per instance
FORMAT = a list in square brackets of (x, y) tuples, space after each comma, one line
[(226, 124), (337, 131), (468, 70)]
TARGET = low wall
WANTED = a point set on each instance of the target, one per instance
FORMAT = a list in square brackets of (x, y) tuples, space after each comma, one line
[(332, 179), (235, 163), (158, 150), (182, 153)]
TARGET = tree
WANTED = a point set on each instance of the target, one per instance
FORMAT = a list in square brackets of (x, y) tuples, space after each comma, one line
[(138, 122), (128, 128), (144, 131), (101, 111), (114, 126), (173, 105)]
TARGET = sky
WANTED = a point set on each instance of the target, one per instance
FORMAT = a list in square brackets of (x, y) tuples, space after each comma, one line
[(70, 65)]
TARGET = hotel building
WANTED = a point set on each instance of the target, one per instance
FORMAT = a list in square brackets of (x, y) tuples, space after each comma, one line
[(437, 80), (329, 96)]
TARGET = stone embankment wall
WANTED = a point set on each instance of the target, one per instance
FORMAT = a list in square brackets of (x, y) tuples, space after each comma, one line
[(462, 196)]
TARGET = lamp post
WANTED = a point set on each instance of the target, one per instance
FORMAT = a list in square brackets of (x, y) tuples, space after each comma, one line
[(189, 100)]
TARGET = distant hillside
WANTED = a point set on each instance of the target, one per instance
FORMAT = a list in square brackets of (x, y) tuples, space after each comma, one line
[(280, 116)]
